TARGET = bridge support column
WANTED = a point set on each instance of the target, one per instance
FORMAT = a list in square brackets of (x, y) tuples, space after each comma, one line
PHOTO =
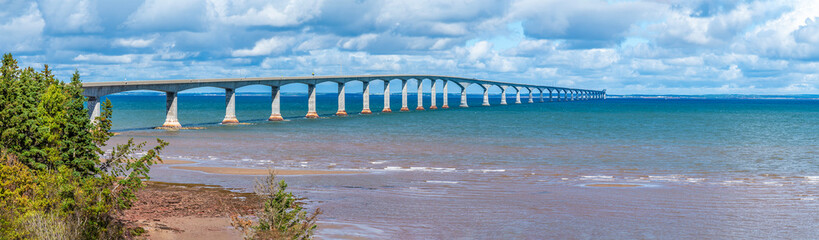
[(386, 97), (565, 95), (550, 94), (93, 108), (230, 106), (433, 95), (463, 97), (170, 111), (311, 101), (485, 96), (503, 95), (342, 111), (404, 107), (517, 95), (531, 99), (541, 95), (420, 94), (366, 96), (275, 105), (445, 96)]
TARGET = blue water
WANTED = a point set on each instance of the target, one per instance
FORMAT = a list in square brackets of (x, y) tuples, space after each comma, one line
[(702, 168)]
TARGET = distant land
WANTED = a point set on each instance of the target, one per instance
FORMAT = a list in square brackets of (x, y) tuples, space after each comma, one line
[(717, 96)]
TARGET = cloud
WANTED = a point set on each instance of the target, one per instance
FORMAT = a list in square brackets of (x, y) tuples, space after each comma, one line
[(168, 16), (265, 47), (266, 13), (96, 58), (24, 32), (70, 16), (639, 46), (583, 23), (134, 42)]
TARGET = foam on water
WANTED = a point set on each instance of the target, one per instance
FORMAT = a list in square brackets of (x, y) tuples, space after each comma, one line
[(597, 178), (487, 170), (443, 182)]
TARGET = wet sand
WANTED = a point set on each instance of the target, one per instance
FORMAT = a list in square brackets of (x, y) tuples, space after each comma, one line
[(612, 185), (189, 211), (254, 171), (174, 161)]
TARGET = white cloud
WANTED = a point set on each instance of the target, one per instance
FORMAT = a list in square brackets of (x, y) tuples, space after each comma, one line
[(265, 47), (105, 59), (359, 43), (266, 13), (23, 33), (70, 16), (134, 42)]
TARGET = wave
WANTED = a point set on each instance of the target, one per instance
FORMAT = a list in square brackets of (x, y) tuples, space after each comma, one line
[(443, 182)]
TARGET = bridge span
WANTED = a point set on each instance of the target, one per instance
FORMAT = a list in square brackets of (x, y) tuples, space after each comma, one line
[(96, 90)]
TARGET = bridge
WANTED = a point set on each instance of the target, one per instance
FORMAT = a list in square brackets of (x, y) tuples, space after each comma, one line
[(96, 90)]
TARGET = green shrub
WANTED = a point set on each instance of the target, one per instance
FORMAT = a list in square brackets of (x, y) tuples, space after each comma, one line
[(54, 185), (281, 216)]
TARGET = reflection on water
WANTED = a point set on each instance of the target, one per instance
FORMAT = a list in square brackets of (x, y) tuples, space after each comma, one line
[(600, 169)]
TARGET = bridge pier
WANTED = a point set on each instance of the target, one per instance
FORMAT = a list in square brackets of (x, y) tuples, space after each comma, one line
[(485, 96), (550, 94), (420, 94), (517, 95), (386, 97), (445, 96), (404, 107), (93, 108), (170, 111), (230, 106), (311, 101), (503, 95), (463, 96), (531, 99), (366, 96), (433, 95), (342, 111), (275, 106), (541, 95)]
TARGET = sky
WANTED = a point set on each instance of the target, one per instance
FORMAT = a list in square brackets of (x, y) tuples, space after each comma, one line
[(626, 47)]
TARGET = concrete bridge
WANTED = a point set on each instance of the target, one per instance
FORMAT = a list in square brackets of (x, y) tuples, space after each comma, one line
[(96, 90)]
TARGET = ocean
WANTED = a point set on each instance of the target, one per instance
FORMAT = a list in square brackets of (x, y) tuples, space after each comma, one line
[(599, 169)]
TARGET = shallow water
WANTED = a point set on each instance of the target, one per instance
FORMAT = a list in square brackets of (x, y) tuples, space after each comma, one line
[(703, 168)]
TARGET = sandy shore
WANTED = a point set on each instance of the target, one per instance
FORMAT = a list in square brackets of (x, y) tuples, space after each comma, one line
[(174, 161), (189, 211), (254, 171)]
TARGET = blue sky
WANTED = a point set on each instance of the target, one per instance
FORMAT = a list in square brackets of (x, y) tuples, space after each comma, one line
[(627, 47)]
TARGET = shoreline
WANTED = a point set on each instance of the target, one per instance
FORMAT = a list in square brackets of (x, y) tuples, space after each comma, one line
[(257, 172)]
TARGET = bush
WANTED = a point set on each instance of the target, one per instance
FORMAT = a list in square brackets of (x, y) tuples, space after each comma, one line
[(54, 185), (281, 216)]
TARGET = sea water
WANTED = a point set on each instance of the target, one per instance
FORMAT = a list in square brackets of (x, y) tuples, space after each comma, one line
[(610, 169)]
